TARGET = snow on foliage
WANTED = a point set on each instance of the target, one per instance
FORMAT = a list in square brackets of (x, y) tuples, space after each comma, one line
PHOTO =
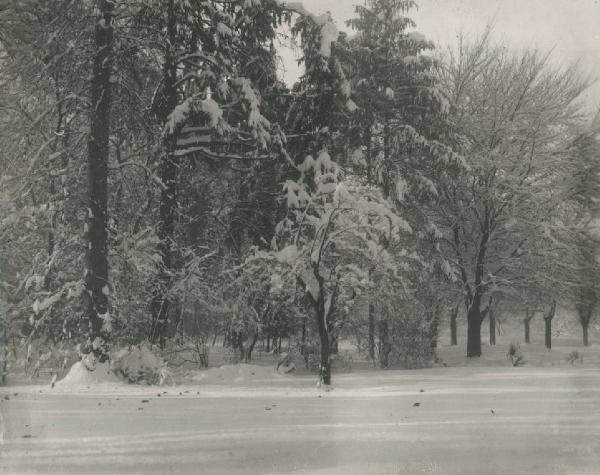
[(138, 364), (212, 110), (329, 34)]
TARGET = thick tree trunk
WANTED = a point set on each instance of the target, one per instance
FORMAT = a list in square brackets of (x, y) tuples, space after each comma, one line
[(453, 332), (474, 331), (527, 331), (250, 349), (168, 198), (325, 363), (492, 322), (548, 332), (98, 152), (585, 316)]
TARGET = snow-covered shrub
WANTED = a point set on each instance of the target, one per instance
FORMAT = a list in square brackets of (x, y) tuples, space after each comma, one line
[(574, 356), (515, 355), (138, 364)]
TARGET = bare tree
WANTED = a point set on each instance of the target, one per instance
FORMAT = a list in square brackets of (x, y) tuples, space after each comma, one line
[(512, 116)]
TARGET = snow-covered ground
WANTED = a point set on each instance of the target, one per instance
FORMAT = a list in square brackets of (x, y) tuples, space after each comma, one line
[(466, 420)]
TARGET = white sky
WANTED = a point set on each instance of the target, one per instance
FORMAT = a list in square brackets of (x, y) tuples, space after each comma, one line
[(571, 27)]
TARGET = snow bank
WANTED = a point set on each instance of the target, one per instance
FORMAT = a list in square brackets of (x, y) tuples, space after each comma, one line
[(80, 375), (235, 374)]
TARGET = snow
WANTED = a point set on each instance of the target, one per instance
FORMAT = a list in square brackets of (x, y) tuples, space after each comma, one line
[(224, 30), (212, 109), (351, 105), (235, 374), (80, 376), (288, 255), (329, 34), (46, 303), (469, 421), (106, 321)]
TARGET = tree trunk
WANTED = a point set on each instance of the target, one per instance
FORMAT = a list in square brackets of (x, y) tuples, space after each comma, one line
[(268, 344), (453, 333), (250, 349), (98, 152), (526, 323), (325, 366), (474, 331), (492, 322), (434, 326), (548, 324), (585, 316), (334, 345), (385, 348), (548, 332), (371, 331), (168, 198)]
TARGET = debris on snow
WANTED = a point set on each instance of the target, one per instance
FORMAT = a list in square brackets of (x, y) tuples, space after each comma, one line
[(234, 374)]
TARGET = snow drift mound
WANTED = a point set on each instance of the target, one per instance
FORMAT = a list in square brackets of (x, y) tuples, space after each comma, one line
[(235, 374), (80, 375)]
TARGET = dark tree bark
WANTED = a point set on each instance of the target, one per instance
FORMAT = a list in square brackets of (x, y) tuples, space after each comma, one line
[(168, 200), (334, 346), (250, 349), (526, 321), (434, 325), (585, 317), (474, 321), (98, 152), (453, 333), (492, 321), (548, 324), (323, 315), (371, 331), (385, 347)]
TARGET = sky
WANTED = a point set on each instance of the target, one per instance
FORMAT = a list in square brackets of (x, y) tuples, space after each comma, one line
[(571, 28)]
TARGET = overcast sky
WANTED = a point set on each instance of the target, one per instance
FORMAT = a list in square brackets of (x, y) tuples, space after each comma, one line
[(571, 27)]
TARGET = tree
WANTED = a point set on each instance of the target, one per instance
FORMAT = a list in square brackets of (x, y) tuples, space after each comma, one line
[(529, 314), (97, 284), (330, 238), (512, 116), (586, 186)]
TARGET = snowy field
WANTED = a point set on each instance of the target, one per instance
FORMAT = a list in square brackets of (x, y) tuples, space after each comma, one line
[(465, 420)]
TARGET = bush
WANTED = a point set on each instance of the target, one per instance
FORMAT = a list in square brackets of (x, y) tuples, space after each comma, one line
[(139, 364), (574, 356), (515, 355)]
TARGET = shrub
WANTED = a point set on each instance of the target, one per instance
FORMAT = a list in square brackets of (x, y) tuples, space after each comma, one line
[(515, 355), (138, 364), (573, 357)]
